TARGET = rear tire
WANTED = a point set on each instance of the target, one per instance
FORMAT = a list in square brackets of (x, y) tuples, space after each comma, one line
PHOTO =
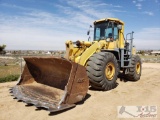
[(135, 71), (102, 70)]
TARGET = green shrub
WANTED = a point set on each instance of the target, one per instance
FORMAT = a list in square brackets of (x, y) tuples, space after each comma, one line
[(9, 78)]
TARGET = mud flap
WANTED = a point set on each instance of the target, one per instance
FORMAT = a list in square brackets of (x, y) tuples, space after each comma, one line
[(52, 83)]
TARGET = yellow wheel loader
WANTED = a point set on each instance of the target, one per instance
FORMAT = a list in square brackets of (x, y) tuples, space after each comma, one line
[(58, 83)]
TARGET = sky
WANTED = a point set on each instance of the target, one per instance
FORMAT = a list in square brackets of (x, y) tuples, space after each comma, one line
[(47, 24)]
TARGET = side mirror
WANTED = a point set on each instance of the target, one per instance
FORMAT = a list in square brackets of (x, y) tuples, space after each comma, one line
[(119, 27), (89, 38), (88, 32)]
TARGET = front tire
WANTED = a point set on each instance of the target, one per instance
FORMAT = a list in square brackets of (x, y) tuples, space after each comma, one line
[(102, 70)]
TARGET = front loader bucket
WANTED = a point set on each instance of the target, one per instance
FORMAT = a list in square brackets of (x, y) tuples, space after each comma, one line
[(53, 83)]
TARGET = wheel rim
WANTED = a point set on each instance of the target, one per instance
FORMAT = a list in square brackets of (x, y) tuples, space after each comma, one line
[(110, 71), (138, 68)]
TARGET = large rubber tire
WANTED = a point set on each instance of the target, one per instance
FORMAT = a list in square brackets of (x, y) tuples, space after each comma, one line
[(97, 70), (136, 69)]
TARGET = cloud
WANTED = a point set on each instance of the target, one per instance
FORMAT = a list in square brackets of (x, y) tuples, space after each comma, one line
[(147, 38), (134, 1), (34, 38), (109, 5), (118, 6), (139, 6), (15, 6), (148, 13), (88, 8), (117, 10), (156, 1), (138, 3), (98, 5), (39, 29), (140, 0)]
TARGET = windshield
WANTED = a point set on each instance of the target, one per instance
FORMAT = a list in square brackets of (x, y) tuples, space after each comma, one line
[(102, 31)]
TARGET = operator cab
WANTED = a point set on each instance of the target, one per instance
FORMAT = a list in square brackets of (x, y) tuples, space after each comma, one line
[(106, 29)]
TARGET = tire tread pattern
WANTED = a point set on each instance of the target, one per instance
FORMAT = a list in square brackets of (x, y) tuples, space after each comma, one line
[(132, 75), (96, 70)]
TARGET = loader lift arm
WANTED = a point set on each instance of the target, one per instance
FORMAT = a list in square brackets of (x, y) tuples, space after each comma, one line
[(90, 49)]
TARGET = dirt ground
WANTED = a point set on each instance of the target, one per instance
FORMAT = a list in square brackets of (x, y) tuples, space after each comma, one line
[(98, 106)]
